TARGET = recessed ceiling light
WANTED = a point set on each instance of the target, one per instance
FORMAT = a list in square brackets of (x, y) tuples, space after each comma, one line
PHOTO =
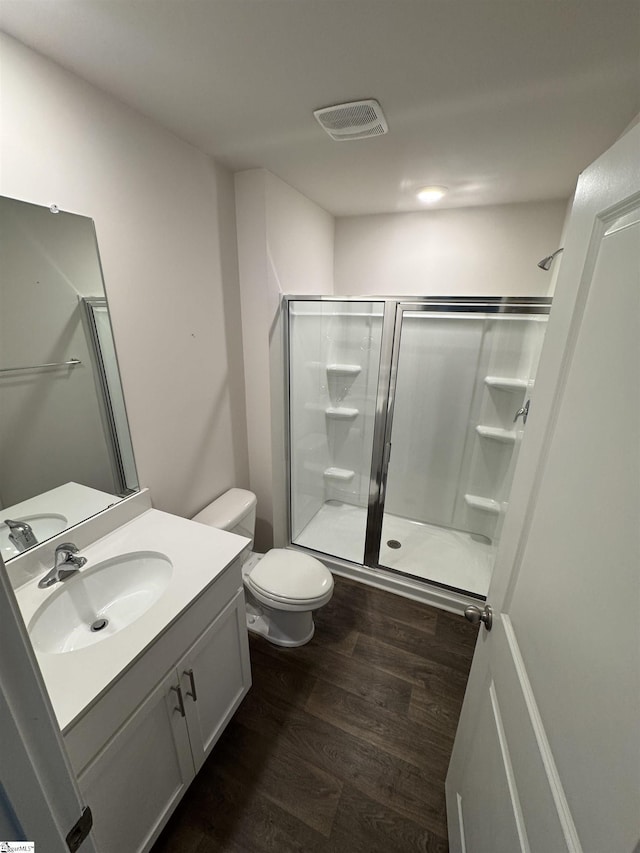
[(430, 195)]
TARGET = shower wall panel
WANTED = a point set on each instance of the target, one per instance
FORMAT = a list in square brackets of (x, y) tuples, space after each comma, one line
[(437, 373), (509, 352), (454, 437), (334, 355), (309, 449)]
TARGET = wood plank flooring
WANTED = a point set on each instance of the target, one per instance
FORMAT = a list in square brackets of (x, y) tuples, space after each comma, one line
[(342, 745)]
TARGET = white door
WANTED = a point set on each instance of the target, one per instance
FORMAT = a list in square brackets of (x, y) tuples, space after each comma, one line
[(547, 754), (39, 796)]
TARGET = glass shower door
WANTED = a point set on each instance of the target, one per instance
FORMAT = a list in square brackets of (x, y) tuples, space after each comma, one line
[(459, 378), (334, 363)]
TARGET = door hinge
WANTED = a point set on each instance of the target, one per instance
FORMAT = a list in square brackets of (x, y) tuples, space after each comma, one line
[(80, 830)]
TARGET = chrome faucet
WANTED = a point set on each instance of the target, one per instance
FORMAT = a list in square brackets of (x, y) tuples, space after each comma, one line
[(20, 534), (67, 563)]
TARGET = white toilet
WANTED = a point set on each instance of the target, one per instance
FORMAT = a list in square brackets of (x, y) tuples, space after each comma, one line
[(282, 587)]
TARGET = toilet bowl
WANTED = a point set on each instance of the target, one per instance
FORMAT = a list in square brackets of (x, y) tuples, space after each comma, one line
[(282, 587)]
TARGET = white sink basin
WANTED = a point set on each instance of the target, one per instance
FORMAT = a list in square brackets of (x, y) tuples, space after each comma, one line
[(99, 601), (44, 525)]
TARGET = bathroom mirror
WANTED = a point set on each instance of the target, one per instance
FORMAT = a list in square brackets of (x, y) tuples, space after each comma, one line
[(65, 448)]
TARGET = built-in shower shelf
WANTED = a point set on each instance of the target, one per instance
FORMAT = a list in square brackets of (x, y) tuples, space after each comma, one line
[(344, 369), (506, 383), (506, 436), (344, 475), (485, 504), (341, 413)]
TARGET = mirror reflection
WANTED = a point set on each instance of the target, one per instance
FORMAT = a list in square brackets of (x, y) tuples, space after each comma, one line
[(65, 448)]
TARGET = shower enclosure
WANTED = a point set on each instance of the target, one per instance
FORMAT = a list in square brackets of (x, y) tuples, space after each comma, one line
[(405, 418)]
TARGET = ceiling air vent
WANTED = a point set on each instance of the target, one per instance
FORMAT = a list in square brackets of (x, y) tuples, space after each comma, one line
[(356, 120)]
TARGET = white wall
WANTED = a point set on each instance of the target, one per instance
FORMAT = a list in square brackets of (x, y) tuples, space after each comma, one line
[(484, 251), (634, 121), (300, 240), (285, 245), (164, 215)]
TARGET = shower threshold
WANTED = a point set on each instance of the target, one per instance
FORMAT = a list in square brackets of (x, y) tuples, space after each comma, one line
[(439, 555)]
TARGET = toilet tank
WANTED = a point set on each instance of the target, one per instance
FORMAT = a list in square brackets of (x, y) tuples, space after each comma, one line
[(234, 511)]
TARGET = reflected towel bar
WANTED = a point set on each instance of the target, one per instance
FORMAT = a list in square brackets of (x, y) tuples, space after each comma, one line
[(71, 363)]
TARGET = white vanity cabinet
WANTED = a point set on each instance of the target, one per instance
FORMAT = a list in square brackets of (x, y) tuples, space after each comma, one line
[(134, 784), (153, 741), (214, 676)]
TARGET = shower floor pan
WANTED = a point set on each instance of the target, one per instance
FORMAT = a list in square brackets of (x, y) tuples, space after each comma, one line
[(426, 552)]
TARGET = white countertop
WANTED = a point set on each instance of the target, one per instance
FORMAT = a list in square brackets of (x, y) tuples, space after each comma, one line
[(199, 554)]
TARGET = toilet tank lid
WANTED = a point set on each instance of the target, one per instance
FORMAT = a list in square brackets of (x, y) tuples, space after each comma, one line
[(228, 510)]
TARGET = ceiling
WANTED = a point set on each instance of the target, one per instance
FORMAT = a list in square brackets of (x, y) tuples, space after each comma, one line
[(500, 101)]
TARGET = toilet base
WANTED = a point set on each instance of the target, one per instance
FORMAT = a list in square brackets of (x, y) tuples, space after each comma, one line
[(280, 627)]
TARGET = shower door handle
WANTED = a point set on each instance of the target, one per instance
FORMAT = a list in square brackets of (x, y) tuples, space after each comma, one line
[(386, 457), (382, 485)]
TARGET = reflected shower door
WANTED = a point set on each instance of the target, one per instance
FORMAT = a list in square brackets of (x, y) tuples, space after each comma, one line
[(460, 377), (105, 364), (334, 363)]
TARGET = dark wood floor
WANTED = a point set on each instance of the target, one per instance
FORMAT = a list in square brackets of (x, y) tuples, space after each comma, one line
[(342, 745)]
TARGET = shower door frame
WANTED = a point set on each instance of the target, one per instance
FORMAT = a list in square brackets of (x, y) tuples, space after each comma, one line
[(394, 308), (519, 306)]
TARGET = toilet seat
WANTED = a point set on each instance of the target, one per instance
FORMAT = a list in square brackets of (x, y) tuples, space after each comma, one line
[(291, 578), (282, 603)]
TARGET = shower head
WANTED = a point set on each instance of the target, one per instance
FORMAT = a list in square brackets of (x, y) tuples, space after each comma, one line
[(545, 263)]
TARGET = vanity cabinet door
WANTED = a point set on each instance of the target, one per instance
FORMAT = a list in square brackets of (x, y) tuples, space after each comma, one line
[(136, 781), (218, 667)]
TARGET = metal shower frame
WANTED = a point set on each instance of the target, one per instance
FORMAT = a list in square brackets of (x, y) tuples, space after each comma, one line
[(394, 307)]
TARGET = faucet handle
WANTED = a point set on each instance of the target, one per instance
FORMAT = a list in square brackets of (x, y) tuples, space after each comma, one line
[(15, 525), (66, 563), (67, 548), (20, 534), (65, 553)]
